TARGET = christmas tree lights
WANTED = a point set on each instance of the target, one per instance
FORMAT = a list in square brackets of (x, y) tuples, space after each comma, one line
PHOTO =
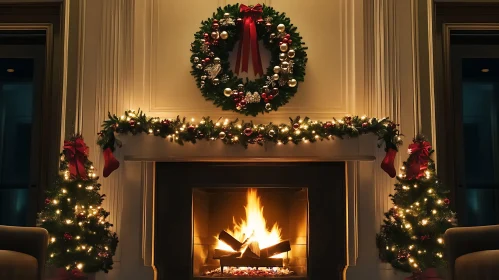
[(411, 238), (80, 238)]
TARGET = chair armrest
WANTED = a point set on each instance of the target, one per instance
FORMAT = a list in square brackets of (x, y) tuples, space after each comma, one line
[(464, 240), (32, 241)]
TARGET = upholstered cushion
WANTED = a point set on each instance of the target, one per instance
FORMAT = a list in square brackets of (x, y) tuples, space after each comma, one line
[(482, 265), (17, 266)]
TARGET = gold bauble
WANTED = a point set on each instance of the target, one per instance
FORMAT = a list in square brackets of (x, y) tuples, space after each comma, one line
[(291, 53), (217, 60), (284, 64), (222, 135), (283, 47), (292, 83), (215, 35), (277, 69), (281, 27), (282, 56), (224, 35), (228, 92), (275, 77)]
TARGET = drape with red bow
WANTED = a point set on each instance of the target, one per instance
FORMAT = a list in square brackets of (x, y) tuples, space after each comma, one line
[(76, 153), (250, 39)]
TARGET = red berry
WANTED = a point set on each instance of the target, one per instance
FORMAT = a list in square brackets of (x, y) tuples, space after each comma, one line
[(215, 21), (241, 94), (271, 97), (296, 125), (287, 36), (290, 41), (207, 60), (264, 95), (266, 100), (206, 35), (248, 131), (285, 40), (215, 26), (207, 43), (243, 102)]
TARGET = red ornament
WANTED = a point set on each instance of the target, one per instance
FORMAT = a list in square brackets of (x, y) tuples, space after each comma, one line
[(425, 237), (287, 36), (248, 131), (328, 125), (215, 21), (241, 94), (68, 236), (165, 122), (207, 60), (264, 95), (364, 125), (290, 41), (215, 26), (388, 162), (296, 125), (132, 123), (206, 35), (47, 201), (266, 100), (285, 40), (418, 160), (110, 162), (243, 102), (447, 201), (239, 20), (271, 97)]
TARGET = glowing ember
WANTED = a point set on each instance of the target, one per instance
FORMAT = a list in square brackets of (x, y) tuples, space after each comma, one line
[(248, 271), (253, 227)]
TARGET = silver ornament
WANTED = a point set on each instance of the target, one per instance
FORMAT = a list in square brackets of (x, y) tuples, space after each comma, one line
[(281, 28), (226, 15), (227, 92), (199, 66), (203, 77), (277, 69), (211, 54), (271, 132), (196, 59), (292, 83), (216, 81), (282, 56), (224, 35), (291, 53), (217, 60), (240, 86), (268, 107), (283, 47), (275, 77), (222, 135), (215, 35)]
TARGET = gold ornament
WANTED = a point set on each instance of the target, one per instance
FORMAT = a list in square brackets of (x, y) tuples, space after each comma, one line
[(227, 92), (275, 77), (216, 81), (224, 35), (283, 47), (199, 66), (196, 59), (277, 69), (284, 64), (281, 27), (291, 53), (282, 56), (217, 60), (221, 135), (292, 83), (215, 35)]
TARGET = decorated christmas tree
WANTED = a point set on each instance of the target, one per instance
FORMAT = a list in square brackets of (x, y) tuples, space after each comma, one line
[(80, 240), (411, 238)]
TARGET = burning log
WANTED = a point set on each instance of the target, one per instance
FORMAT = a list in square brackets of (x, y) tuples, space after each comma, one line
[(273, 250), (230, 240), (225, 254), (252, 251)]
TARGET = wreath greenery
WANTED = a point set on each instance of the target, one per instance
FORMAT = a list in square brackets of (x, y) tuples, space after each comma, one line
[(218, 36)]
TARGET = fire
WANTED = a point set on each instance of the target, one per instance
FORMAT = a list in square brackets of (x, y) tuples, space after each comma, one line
[(254, 226)]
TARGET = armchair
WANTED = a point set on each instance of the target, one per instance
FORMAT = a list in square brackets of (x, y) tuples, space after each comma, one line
[(473, 252), (22, 252)]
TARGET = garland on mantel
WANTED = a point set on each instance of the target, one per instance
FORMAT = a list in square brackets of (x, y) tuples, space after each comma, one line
[(243, 133)]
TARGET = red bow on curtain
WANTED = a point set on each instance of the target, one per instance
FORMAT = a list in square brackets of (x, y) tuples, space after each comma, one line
[(418, 160), (250, 40), (76, 153)]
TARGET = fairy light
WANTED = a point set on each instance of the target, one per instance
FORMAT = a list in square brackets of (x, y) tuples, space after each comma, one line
[(52, 240), (79, 185), (430, 190), (58, 211), (89, 187), (440, 255), (122, 117), (424, 222), (290, 138), (69, 222), (83, 247), (434, 211), (78, 237), (150, 131), (52, 255), (415, 186), (279, 142), (440, 240), (64, 191), (439, 201), (316, 136), (417, 203), (415, 265), (55, 201), (68, 267), (411, 247), (411, 260), (297, 132), (79, 266), (80, 223), (408, 226), (69, 199), (405, 187), (388, 248)]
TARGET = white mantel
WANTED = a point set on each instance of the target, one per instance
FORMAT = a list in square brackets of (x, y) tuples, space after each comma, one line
[(364, 58)]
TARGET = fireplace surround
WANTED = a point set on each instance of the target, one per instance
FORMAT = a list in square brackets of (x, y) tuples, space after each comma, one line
[(194, 200)]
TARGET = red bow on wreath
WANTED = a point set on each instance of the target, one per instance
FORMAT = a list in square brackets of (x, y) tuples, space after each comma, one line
[(250, 40), (418, 159), (76, 153)]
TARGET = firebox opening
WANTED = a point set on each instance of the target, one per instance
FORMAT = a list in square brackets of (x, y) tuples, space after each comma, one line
[(250, 232)]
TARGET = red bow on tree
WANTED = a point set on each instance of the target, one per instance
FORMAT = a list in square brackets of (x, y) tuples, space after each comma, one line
[(250, 40), (418, 159), (76, 152)]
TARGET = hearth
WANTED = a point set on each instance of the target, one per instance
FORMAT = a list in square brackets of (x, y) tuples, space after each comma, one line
[(250, 220)]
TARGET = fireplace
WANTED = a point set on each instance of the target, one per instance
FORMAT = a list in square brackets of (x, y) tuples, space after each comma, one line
[(250, 220)]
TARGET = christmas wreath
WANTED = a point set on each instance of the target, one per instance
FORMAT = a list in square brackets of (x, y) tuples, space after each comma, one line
[(248, 25)]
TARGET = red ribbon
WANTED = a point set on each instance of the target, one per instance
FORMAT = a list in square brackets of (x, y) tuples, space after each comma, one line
[(251, 15), (418, 160), (76, 153)]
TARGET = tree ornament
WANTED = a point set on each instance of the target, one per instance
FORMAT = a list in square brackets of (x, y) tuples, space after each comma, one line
[(281, 28), (291, 53), (292, 83), (248, 131), (283, 47), (222, 135), (284, 65), (47, 201), (447, 201), (227, 92), (214, 41), (68, 236)]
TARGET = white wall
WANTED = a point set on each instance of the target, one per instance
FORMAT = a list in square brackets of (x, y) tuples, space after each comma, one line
[(363, 59)]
